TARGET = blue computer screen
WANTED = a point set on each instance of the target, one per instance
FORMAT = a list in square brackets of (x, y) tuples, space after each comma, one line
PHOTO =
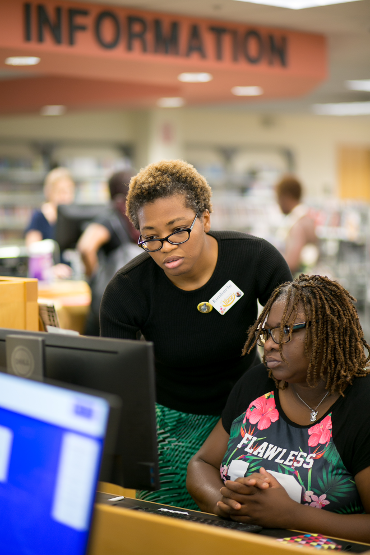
[(51, 443)]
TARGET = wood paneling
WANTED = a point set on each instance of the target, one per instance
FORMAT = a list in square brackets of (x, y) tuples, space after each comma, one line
[(354, 173)]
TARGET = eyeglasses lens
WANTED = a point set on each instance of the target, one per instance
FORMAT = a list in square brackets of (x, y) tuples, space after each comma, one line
[(263, 335), (175, 239)]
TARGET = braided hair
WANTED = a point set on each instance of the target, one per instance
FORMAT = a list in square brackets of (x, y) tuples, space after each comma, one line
[(336, 353)]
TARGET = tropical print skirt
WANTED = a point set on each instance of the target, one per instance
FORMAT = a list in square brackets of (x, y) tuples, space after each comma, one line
[(180, 435)]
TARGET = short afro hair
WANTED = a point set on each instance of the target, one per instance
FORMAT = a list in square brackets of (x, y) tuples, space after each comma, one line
[(164, 179)]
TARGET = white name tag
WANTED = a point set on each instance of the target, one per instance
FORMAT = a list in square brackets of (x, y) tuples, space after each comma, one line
[(226, 297)]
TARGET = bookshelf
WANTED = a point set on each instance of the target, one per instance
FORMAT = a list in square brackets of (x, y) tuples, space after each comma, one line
[(24, 165)]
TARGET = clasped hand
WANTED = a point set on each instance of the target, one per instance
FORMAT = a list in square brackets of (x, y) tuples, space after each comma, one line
[(257, 499)]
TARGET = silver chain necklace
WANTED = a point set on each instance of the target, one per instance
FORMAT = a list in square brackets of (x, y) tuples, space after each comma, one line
[(314, 412)]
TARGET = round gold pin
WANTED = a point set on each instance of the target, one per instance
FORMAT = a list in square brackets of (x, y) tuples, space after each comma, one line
[(204, 307)]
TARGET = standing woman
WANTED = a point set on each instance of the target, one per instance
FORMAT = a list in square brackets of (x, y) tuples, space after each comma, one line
[(193, 293), (59, 188)]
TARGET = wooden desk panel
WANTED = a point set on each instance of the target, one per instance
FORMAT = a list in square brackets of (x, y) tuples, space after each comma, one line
[(18, 303), (120, 531), (71, 300)]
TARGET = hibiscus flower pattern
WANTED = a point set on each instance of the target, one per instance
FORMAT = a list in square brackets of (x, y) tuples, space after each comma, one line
[(261, 436), (321, 432), (263, 411), (315, 501), (223, 472)]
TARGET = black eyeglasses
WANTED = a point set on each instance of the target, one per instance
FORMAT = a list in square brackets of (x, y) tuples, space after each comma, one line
[(175, 238), (263, 334)]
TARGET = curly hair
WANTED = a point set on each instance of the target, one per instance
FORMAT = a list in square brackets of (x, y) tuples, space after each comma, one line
[(336, 353), (164, 179)]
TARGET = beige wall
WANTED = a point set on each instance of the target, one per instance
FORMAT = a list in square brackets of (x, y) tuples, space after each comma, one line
[(314, 140)]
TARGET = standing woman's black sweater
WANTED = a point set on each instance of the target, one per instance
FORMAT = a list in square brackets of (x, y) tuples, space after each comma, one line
[(197, 356)]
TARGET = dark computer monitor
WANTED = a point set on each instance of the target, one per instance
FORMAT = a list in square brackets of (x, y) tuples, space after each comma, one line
[(121, 367), (51, 446), (72, 220)]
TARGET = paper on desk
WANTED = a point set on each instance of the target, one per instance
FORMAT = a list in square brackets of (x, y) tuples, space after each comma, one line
[(289, 483), (52, 329)]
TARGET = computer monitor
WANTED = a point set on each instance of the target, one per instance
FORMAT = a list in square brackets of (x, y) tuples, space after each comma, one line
[(72, 220), (51, 445), (121, 367)]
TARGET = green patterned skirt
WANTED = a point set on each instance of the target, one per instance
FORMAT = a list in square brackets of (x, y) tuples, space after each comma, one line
[(180, 435)]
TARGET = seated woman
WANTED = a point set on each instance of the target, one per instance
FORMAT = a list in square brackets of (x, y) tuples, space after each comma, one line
[(295, 439)]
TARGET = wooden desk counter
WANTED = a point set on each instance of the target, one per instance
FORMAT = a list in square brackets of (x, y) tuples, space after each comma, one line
[(119, 531), (18, 303), (71, 300)]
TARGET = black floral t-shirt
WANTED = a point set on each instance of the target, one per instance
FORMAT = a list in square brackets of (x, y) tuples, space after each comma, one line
[(316, 464)]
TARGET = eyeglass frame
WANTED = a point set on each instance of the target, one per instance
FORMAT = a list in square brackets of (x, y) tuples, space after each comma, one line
[(295, 327), (188, 229)]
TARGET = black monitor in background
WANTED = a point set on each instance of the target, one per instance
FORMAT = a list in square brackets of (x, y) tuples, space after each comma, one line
[(72, 220), (121, 367)]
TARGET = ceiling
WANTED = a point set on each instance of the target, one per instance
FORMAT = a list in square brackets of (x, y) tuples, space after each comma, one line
[(345, 26)]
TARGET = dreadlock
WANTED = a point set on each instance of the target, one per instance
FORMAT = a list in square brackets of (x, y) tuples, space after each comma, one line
[(336, 352)]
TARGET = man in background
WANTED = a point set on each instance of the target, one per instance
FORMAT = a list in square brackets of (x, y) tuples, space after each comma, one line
[(107, 244), (301, 240)]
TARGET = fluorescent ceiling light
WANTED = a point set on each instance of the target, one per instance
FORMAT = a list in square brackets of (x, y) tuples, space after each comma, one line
[(22, 61), (53, 110), (171, 102), (297, 4), (195, 77), (360, 85), (342, 109), (247, 91)]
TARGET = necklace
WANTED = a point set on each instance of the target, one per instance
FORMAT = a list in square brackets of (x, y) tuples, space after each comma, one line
[(314, 412)]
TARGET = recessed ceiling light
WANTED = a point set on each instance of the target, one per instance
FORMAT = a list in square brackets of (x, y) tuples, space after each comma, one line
[(195, 77), (297, 4), (360, 85), (171, 102), (342, 109), (53, 110), (22, 61), (247, 91)]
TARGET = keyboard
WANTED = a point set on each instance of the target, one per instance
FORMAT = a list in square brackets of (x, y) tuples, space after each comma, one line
[(178, 513), (222, 523)]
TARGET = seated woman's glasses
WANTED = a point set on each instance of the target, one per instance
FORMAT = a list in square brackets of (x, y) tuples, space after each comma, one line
[(263, 334), (175, 238)]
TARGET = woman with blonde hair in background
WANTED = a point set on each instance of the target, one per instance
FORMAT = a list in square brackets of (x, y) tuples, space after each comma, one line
[(59, 188)]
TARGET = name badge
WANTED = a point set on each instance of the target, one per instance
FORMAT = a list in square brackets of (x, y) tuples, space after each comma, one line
[(226, 297)]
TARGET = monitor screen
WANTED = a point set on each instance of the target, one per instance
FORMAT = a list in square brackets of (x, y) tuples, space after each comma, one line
[(51, 444), (121, 367), (72, 220)]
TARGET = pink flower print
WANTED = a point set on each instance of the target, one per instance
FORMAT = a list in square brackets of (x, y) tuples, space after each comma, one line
[(319, 502), (320, 433), (223, 472), (263, 411), (307, 496)]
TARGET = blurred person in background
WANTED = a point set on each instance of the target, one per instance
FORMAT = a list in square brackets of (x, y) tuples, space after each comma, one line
[(299, 234), (59, 188), (107, 244)]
